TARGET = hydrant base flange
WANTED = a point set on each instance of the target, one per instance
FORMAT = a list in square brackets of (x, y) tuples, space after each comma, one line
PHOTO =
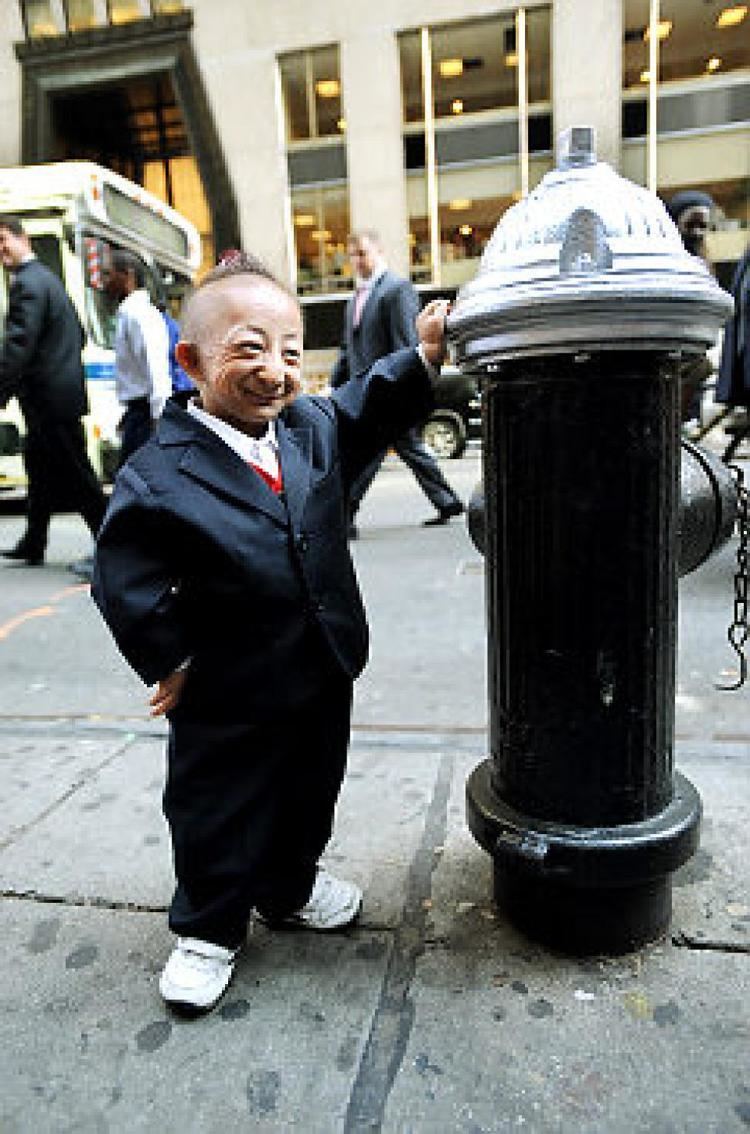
[(584, 889)]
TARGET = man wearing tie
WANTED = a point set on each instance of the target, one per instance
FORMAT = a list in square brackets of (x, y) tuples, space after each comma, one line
[(380, 318)]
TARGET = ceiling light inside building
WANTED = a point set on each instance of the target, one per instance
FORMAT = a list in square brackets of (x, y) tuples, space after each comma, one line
[(328, 88), (730, 17), (458, 204), (663, 29), (645, 76), (713, 63), (511, 59), (457, 106), (304, 220), (321, 234), (341, 125), (451, 68), (466, 230)]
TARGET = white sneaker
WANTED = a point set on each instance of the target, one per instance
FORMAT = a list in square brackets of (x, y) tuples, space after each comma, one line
[(333, 904), (197, 973)]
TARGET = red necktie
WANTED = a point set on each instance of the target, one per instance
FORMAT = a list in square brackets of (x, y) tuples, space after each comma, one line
[(275, 483)]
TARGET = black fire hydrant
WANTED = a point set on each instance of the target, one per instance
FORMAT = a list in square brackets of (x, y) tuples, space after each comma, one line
[(576, 322)]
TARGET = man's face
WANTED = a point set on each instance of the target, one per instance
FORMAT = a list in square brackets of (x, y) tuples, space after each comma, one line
[(248, 360), (363, 256), (693, 226), (116, 283), (13, 249)]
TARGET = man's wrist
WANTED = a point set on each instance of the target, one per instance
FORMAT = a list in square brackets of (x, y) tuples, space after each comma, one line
[(432, 370)]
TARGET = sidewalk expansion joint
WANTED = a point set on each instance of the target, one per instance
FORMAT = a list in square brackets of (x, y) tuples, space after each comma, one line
[(80, 782), (393, 1018), (684, 940), (75, 902)]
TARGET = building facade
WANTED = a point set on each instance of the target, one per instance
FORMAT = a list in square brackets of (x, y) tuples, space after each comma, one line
[(280, 125)]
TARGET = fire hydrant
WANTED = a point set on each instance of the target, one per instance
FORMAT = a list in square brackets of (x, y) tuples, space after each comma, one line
[(583, 305)]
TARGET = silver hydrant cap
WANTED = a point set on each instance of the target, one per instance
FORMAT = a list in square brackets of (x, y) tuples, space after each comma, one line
[(588, 261)]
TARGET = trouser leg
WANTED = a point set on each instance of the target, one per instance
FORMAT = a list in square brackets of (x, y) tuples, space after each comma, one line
[(83, 485), (38, 501), (362, 483), (135, 427), (413, 452), (250, 810)]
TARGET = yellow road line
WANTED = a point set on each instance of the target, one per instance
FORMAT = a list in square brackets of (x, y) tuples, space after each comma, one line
[(7, 628)]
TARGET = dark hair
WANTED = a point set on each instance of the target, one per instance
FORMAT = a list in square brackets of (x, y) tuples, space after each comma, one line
[(127, 262), (13, 224)]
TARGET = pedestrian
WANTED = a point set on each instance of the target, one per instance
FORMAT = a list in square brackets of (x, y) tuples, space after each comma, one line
[(40, 363), (690, 209), (733, 384), (223, 572), (142, 377), (380, 318), (183, 387)]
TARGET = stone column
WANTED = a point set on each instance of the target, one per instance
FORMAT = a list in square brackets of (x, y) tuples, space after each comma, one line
[(371, 84), (587, 41)]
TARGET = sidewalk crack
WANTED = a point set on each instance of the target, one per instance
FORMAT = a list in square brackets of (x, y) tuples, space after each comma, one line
[(394, 1016)]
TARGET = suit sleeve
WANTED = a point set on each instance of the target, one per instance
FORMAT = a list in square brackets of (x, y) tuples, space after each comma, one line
[(340, 373), (403, 308), (375, 408), (136, 585), (23, 325)]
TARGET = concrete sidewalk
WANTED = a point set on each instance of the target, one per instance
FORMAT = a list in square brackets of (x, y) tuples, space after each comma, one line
[(432, 1015)]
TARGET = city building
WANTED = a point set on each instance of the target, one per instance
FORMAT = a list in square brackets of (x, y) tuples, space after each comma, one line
[(279, 125)]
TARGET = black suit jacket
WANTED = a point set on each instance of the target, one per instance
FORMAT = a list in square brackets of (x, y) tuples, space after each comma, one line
[(41, 358), (198, 558), (387, 323)]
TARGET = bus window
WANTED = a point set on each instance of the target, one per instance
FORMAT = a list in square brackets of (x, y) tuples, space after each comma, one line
[(46, 248)]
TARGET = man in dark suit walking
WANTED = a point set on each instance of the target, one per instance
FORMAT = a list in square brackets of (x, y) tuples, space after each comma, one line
[(41, 365), (380, 318)]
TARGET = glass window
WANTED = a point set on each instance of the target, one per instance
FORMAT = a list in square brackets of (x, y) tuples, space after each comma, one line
[(42, 18), (475, 65), (125, 11), (166, 7), (311, 85), (700, 131), (83, 14), (696, 39), (478, 170), (320, 217)]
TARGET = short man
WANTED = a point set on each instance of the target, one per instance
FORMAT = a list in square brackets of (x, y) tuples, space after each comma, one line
[(142, 373), (41, 365), (380, 318)]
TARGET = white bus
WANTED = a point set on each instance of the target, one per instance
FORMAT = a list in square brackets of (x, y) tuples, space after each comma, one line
[(75, 213)]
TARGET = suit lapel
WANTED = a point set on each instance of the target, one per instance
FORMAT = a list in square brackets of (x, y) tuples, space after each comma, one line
[(294, 454), (213, 463)]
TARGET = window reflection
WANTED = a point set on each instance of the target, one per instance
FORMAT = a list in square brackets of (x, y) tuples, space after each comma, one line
[(475, 69), (125, 11), (41, 19), (83, 14), (320, 217), (696, 40), (311, 85)]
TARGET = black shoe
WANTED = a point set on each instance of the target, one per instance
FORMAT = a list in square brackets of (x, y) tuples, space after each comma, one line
[(21, 555), (352, 532), (444, 515)]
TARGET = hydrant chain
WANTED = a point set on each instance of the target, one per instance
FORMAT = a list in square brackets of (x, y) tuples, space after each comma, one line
[(739, 631)]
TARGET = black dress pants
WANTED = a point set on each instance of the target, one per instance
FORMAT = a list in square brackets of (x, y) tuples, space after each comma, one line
[(250, 809), (416, 456), (60, 479)]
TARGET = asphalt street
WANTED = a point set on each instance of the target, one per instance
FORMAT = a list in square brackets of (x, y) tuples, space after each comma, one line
[(434, 1013)]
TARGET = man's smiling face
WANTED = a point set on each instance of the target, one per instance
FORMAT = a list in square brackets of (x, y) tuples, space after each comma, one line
[(247, 361)]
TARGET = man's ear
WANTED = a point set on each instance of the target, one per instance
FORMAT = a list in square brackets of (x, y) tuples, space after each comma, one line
[(187, 356)]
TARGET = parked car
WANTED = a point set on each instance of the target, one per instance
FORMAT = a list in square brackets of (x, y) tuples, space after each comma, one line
[(457, 416)]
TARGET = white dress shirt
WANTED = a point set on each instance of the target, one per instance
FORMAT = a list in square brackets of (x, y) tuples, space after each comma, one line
[(263, 452), (142, 352)]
